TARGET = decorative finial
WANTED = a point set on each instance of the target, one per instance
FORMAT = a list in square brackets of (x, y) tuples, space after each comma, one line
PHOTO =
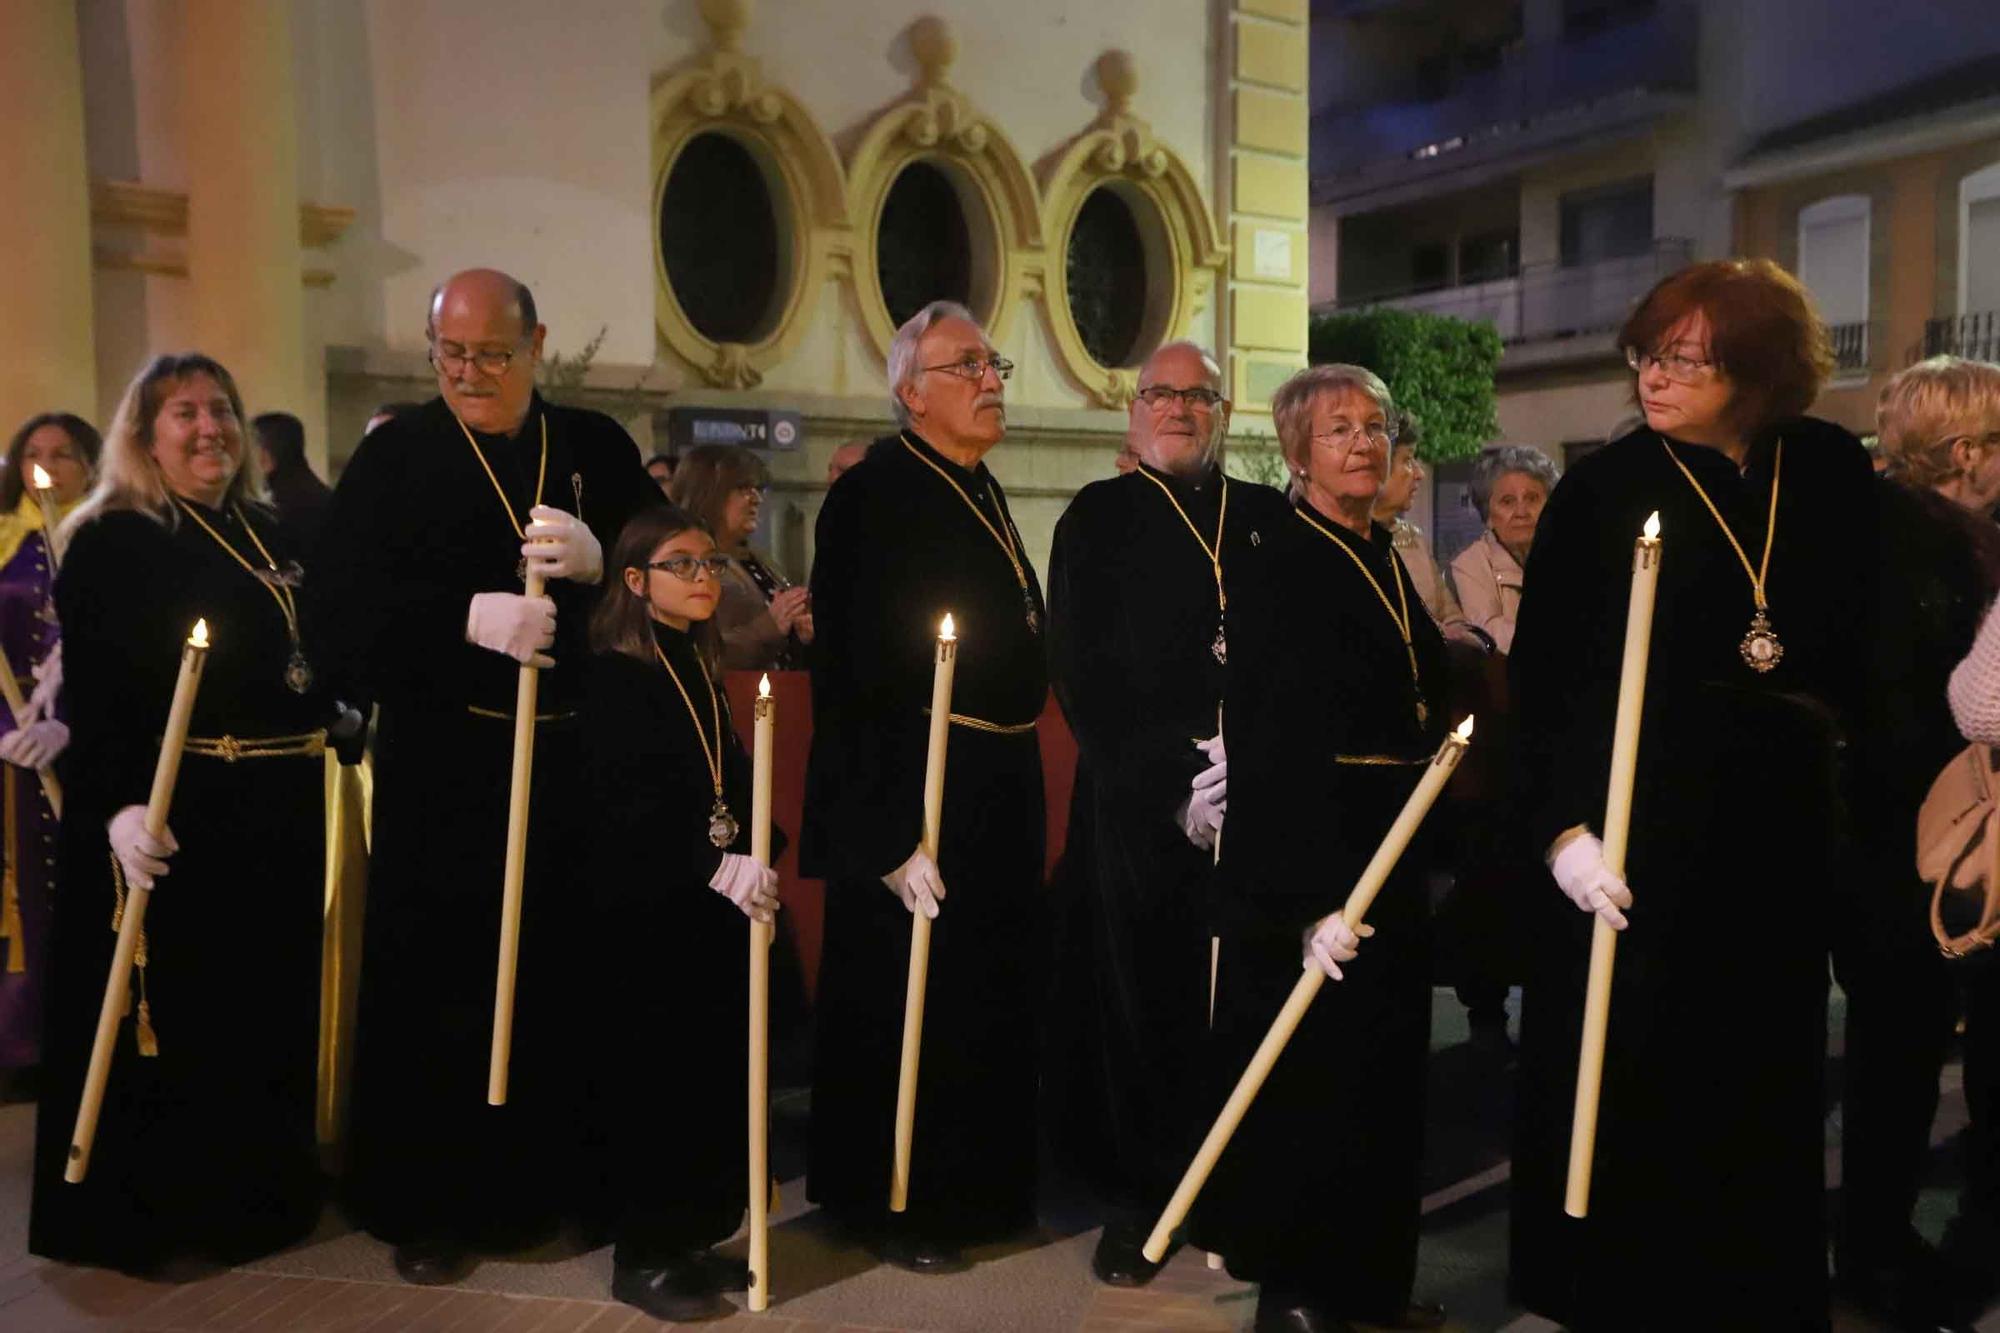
[(934, 47), (1118, 76), (726, 20)]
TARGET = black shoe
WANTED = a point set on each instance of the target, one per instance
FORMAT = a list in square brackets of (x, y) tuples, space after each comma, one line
[(1291, 1312), (678, 1293), (918, 1254), (1912, 1292), (1415, 1315), (433, 1263), (1120, 1260), (723, 1272)]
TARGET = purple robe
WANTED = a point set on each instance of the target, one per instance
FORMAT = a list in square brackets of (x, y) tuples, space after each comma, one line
[(28, 633)]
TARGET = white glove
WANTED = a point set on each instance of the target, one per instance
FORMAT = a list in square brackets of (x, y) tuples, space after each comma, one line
[(753, 888), (917, 883), (48, 675), (561, 546), (141, 856), (1580, 871), (35, 745), (1212, 747), (1201, 813), (1332, 943), (1214, 780), (522, 628)]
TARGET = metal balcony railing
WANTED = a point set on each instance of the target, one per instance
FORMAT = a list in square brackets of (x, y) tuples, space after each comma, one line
[(1975, 337), (1548, 300), (1850, 346), (1534, 82)]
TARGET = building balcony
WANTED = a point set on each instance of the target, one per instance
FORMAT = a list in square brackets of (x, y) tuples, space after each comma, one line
[(1976, 337), (1547, 303), (1850, 348), (1543, 99)]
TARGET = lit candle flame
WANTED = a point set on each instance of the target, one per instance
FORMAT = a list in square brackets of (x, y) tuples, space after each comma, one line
[(1464, 731), (946, 630), (1653, 527), (199, 638), (764, 688), (43, 481)]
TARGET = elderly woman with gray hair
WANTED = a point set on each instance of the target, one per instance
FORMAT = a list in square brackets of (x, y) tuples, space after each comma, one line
[(1333, 704), (1510, 484)]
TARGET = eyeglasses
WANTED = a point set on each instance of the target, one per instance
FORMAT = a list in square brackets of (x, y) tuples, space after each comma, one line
[(974, 368), (1161, 396), (751, 488), (1345, 436), (1680, 369), (453, 359), (689, 568)]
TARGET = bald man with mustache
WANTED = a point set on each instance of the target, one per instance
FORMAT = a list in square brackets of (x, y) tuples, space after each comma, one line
[(418, 602)]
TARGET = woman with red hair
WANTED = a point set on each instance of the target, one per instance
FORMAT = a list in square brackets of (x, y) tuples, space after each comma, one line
[(1707, 1199)]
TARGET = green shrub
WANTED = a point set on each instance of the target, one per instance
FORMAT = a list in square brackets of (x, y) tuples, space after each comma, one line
[(1439, 368)]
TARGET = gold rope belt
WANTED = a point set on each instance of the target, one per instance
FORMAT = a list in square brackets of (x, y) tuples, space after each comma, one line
[(1379, 760), (229, 749), (981, 724), (477, 711)]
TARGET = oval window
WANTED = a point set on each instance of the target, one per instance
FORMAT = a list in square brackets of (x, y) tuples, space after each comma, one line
[(923, 248), (1107, 278), (719, 240)]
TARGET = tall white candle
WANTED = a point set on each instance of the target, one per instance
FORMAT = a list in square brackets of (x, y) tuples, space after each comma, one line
[(766, 717), (920, 925), (1617, 828), (117, 987), (1443, 764)]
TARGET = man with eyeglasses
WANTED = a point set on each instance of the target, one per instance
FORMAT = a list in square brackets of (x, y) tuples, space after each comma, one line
[(1138, 592), (917, 529), (420, 602)]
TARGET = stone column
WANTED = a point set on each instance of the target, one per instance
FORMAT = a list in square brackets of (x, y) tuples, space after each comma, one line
[(242, 154), (45, 279)]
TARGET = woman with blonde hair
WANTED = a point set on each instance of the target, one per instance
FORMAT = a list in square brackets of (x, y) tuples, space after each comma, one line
[(1706, 1203), (205, 1147), (1939, 426), (764, 619)]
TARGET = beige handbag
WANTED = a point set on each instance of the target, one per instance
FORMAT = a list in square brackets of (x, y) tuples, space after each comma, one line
[(1958, 854)]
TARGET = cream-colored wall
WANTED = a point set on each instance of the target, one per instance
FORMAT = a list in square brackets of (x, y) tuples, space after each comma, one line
[(522, 138), (1548, 416), (559, 190)]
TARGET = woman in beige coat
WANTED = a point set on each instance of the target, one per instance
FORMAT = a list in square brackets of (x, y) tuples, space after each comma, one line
[(763, 619), (1510, 484)]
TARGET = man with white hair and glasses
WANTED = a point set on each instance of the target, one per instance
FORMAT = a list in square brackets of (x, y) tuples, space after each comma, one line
[(919, 528)]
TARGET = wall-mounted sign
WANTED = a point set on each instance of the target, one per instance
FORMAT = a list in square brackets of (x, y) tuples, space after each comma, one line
[(752, 428)]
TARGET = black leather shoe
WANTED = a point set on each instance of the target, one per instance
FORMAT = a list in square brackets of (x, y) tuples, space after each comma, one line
[(918, 1254), (1416, 1315), (723, 1272), (433, 1263), (679, 1293), (1120, 1260), (1288, 1312)]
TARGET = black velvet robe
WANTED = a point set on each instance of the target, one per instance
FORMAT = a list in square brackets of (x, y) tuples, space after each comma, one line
[(207, 1149), (1319, 1189), (1706, 1207), (675, 957), (1133, 620), (415, 530), (897, 549)]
